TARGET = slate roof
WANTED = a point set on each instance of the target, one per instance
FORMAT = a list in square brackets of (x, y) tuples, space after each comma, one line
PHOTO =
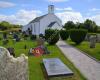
[(52, 23), (38, 19)]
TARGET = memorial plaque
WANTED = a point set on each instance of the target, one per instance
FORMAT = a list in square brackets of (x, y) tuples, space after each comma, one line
[(55, 67)]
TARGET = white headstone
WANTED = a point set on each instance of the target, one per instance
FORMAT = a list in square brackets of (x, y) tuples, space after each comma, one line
[(13, 68), (92, 41), (98, 38)]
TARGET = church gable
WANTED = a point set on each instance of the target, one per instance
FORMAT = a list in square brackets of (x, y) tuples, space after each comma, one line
[(37, 19), (39, 24)]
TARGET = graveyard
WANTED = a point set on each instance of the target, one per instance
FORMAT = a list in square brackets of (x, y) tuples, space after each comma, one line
[(36, 69), (49, 46), (94, 52)]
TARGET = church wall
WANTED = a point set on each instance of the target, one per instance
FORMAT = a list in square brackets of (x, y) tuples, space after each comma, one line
[(35, 28), (47, 20), (56, 26), (24, 28)]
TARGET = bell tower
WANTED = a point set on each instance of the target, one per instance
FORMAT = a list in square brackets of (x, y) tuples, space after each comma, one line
[(51, 9)]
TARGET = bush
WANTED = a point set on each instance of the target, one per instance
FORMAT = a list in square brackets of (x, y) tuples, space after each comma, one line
[(41, 35), (54, 38), (78, 35), (48, 33), (33, 37), (64, 34)]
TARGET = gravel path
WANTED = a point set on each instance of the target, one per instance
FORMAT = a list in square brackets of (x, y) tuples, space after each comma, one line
[(87, 66)]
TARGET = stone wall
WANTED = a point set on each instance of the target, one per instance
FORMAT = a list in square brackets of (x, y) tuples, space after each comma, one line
[(13, 68)]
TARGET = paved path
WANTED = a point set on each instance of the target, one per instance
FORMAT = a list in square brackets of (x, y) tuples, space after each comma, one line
[(87, 66)]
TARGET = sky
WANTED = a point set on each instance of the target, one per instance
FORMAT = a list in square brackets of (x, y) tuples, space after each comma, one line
[(23, 11)]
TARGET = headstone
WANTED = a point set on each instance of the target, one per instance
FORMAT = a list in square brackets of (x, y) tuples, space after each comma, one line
[(87, 37), (13, 68), (5, 41), (15, 36), (92, 41), (25, 46), (55, 67), (4, 35), (40, 41), (11, 51), (98, 38)]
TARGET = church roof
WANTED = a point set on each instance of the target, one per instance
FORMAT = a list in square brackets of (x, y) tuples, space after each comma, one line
[(38, 18), (52, 23)]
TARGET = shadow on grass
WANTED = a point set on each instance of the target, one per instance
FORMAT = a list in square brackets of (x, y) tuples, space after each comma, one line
[(44, 72)]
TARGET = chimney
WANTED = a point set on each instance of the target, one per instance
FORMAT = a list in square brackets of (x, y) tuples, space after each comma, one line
[(51, 9)]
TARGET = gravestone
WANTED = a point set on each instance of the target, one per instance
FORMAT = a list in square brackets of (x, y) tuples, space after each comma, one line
[(98, 38), (40, 41), (11, 51), (15, 36), (13, 68), (55, 67), (5, 41), (92, 41), (4, 35)]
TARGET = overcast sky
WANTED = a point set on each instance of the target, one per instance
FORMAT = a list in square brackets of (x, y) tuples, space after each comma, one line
[(23, 11)]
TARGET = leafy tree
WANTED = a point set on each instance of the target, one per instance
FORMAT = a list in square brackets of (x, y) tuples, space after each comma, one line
[(5, 25), (80, 25), (69, 25), (90, 25)]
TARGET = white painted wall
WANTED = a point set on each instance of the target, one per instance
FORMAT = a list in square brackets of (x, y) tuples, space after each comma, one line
[(44, 22), (39, 27), (35, 28), (56, 26)]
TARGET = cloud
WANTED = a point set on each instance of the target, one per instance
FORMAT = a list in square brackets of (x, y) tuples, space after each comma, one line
[(4, 4), (77, 17), (57, 0), (64, 9), (94, 9), (95, 18), (70, 16), (22, 17)]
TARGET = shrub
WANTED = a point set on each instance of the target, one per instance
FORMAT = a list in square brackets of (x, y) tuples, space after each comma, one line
[(53, 38), (64, 34), (33, 37), (41, 35), (78, 35), (48, 33)]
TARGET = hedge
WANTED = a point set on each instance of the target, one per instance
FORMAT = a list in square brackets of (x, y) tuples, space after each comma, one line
[(64, 34), (78, 35), (51, 36)]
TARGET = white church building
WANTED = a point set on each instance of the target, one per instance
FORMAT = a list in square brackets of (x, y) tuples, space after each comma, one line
[(39, 24)]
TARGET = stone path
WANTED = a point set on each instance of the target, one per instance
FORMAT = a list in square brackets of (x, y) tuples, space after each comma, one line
[(87, 66)]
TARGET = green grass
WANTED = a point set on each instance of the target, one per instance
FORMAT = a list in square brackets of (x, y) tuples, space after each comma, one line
[(36, 70), (84, 46)]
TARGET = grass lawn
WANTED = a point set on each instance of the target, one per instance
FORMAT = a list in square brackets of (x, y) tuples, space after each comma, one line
[(84, 46), (36, 71)]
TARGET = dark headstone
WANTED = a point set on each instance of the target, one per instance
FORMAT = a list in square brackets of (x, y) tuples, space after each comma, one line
[(15, 36), (11, 51), (55, 67), (4, 35), (5, 41), (25, 47)]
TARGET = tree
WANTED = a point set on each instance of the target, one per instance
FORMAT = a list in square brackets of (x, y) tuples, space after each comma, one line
[(80, 25), (5, 25), (90, 25), (69, 25)]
